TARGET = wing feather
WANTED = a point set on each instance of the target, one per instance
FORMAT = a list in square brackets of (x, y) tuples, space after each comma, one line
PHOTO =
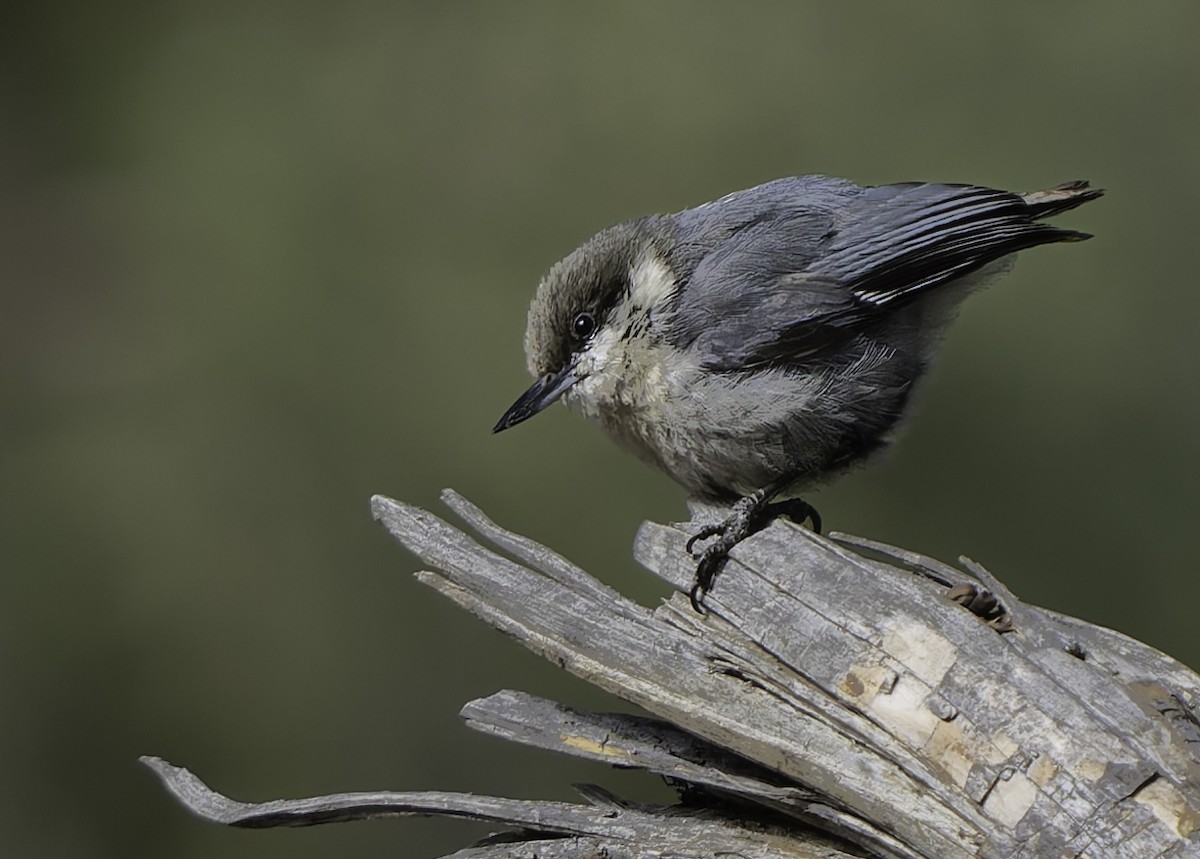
[(809, 261)]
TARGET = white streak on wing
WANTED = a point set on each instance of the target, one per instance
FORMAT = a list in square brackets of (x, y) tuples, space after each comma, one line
[(650, 281)]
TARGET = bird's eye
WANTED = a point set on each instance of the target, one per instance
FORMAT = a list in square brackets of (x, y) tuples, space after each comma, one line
[(583, 326)]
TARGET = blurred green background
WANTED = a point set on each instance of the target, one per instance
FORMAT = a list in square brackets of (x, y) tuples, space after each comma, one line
[(260, 261)]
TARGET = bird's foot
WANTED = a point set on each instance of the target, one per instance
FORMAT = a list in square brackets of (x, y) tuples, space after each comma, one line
[(748, 516), (796, 509)]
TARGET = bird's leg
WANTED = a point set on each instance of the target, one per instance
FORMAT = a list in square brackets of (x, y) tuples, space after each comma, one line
[(748, 516)]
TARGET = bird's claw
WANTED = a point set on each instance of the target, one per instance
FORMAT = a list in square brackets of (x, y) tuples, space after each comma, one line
[(703, 534), (748, 516), (737, 526), (710, 562), (796, 509)]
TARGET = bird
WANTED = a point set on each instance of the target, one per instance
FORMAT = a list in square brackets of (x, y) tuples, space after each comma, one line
[(768, 341)]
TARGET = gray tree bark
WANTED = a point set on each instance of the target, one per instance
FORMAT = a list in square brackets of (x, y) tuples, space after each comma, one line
[(839, 698)]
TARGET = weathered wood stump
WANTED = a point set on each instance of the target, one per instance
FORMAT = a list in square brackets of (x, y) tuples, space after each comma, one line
[(839, 698)]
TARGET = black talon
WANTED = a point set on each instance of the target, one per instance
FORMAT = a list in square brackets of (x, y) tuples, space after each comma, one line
[(711, 561), (703, 534), (796, 509)]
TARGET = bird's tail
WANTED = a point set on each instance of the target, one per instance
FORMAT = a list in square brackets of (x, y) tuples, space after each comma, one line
[(1060, 198)]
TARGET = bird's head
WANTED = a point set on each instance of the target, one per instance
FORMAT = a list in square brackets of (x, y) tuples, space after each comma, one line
[(603, 294)]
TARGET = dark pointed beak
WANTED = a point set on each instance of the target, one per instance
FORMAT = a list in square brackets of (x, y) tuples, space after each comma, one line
[(541, 393)]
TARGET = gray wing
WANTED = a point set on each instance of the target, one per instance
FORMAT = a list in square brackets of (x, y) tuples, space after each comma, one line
[(783, 271)]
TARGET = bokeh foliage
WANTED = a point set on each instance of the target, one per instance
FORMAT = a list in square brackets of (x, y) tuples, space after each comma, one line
[(259, 261)]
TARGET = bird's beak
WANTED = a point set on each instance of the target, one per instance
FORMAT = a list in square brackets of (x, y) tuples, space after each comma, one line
[(541, 393)]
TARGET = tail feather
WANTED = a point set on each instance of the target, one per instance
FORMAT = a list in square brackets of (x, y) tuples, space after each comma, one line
[(1061, 198)]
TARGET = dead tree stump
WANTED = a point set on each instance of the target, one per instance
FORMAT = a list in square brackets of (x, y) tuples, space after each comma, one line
[(840, 698)]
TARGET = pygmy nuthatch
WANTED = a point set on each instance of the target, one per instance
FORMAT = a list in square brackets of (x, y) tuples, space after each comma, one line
[(768, 340)]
